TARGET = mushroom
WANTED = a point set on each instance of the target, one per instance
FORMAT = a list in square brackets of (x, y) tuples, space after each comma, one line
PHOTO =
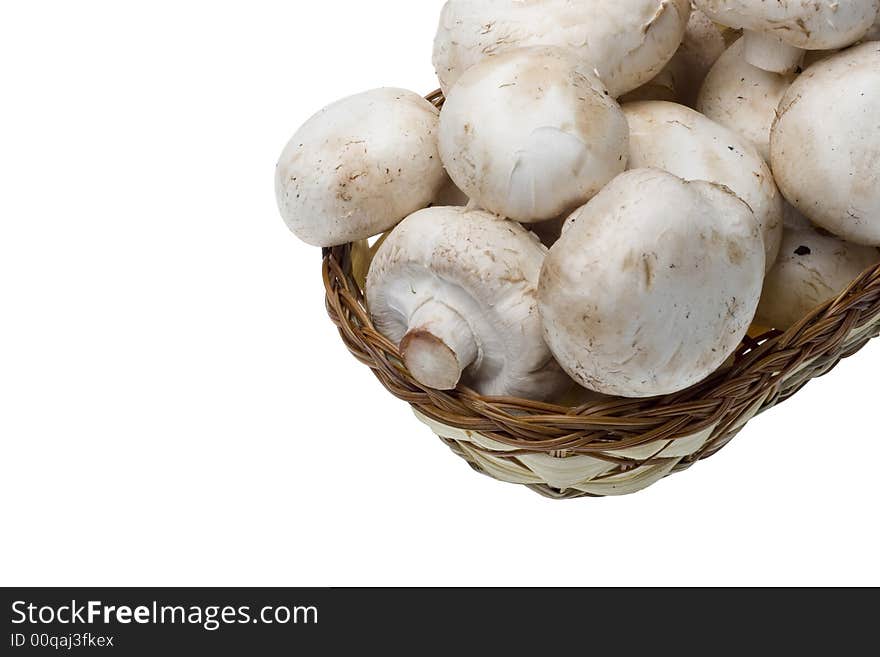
[(812, 269), (743, 97), (825, 144), (455, 289), (777, 33), (531, 134), (653, 284), (627, 41), (359, 166), (684, 142)]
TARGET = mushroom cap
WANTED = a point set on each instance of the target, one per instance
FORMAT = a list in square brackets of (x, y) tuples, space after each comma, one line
[(653, 284), (825, 144), (531, 134), (812, 268), (359, 166), (809, 25), (627, 43), (686, 143), (486, 270), (743, 97)]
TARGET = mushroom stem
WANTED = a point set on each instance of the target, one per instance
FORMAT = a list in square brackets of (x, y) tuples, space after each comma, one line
[(438, 347), (770, 53)]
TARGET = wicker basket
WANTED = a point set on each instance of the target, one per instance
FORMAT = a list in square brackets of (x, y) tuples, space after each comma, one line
[(607, 447)]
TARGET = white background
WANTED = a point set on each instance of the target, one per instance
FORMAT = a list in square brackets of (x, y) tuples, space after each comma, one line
[(176, 409)]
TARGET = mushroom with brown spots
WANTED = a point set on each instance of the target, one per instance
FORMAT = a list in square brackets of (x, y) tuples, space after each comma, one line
[(359, 166), (652, 285), (825, 144), (812, 268), (456, 290)]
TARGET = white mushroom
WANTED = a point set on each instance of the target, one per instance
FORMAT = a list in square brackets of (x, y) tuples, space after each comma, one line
[(531, 134), (455, 288), (627, 41), (653, 284), (825, 145), (360, 166), (685, 143), (777, 32), (743, 97), (812, 269)]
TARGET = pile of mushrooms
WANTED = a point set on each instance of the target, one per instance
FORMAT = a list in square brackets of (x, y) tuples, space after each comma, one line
[(613, 194)]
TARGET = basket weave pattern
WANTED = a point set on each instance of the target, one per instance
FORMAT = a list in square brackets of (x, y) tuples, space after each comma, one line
[(619, 446)]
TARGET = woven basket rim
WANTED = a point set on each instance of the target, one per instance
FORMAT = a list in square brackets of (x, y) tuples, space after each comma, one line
[(759, 367)]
